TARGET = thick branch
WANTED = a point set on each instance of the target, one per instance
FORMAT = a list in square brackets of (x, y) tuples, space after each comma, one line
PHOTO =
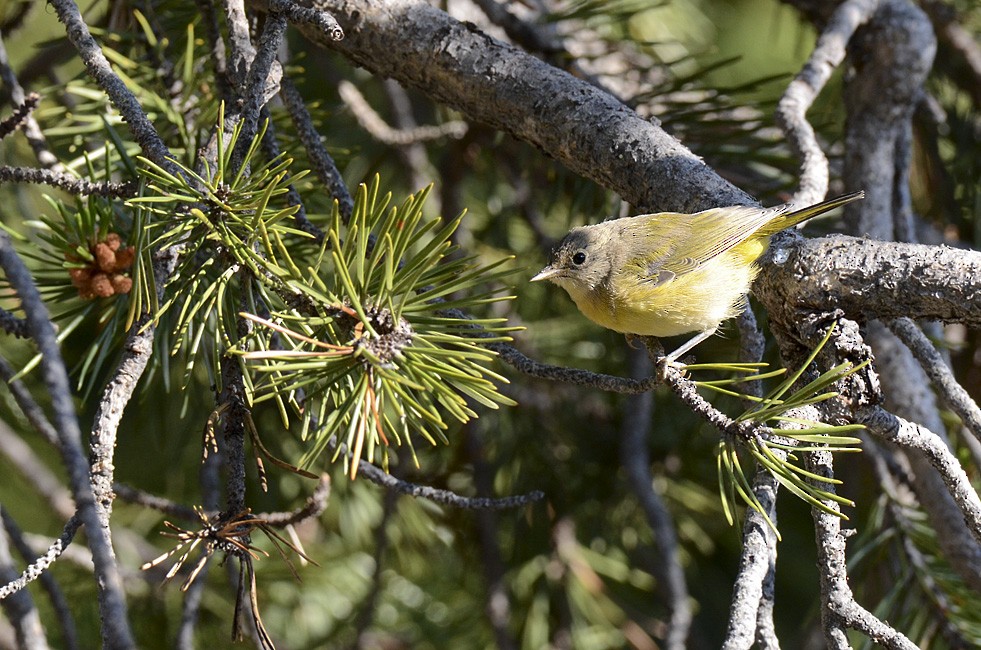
[(583, 127), (871, 279)]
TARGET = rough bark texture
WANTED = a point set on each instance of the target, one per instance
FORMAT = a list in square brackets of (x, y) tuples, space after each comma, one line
[(586, 129)]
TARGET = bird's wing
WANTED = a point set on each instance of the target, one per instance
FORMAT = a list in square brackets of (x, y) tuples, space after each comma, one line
[(713, 232)]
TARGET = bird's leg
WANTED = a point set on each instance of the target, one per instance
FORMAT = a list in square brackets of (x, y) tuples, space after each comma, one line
[(672, 358)]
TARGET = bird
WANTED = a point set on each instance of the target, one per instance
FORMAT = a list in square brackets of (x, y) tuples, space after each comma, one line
[(668, 274)]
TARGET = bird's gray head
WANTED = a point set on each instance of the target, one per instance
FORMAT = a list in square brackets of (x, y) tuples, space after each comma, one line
[(582, 260)]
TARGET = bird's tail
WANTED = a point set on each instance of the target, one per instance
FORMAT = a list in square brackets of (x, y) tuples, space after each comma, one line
[(791, 219)]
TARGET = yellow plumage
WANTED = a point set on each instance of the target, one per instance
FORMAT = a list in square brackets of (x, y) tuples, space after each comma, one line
[(667, 274)]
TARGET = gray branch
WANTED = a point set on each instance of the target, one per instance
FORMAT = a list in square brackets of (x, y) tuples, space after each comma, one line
[(112, 602), (828, 55), (492, 82)]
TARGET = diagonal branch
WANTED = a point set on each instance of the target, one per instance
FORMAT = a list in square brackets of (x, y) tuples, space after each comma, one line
[(112, 603), (586, 129)]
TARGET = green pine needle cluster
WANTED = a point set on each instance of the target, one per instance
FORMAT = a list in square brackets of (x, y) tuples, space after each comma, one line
[(387, 353), (777, 451)]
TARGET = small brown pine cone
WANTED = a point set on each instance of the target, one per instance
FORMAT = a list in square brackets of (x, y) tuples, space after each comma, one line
[(101, 286), (124, 258), (105, 257), (80, 276), (113, 240), (120, 283)]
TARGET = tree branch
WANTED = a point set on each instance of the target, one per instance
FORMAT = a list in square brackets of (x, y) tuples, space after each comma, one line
[(112, 603), (586, 129)]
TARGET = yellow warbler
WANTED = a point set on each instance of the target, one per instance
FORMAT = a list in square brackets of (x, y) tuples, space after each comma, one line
[(667, 274)]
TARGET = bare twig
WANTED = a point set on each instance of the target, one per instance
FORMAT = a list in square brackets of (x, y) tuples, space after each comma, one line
[(19, 608), (373, 123), (445, 497), (63, 612), (13, 325), (323, 164), (751, 607), (514, 358), (635, 459), (122, 98), (316, 503), (20, 115), (899, 500), (25, 105), (828, 54), (316, 17), (910, 435), (839, 610), (951, 392), (66, 182), (262, 81), (41, 564)]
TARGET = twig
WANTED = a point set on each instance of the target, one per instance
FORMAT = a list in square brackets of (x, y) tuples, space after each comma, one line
[(19, 608), (950, 391), (828, 54), (25, 105), (112, 603), (300, 15), (514, 358), (316, 503), (751, 607), (17, 119), (373, 123), (121, 97), (66, 182), (13, 325), (323, 164), (138, 497), (63, 612), (910, 435), (41, 564), (839, 610), (262, 81), (232, 433), (897, 505), (445, 497), (635, 459)]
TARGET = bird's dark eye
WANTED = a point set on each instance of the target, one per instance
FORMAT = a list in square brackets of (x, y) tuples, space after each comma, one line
[(579, 258)]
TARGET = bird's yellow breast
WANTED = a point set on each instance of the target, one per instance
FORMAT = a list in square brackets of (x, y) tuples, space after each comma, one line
[(691, 302)]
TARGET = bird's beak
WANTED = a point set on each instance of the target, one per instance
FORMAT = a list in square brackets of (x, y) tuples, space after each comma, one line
[(547, 273)]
